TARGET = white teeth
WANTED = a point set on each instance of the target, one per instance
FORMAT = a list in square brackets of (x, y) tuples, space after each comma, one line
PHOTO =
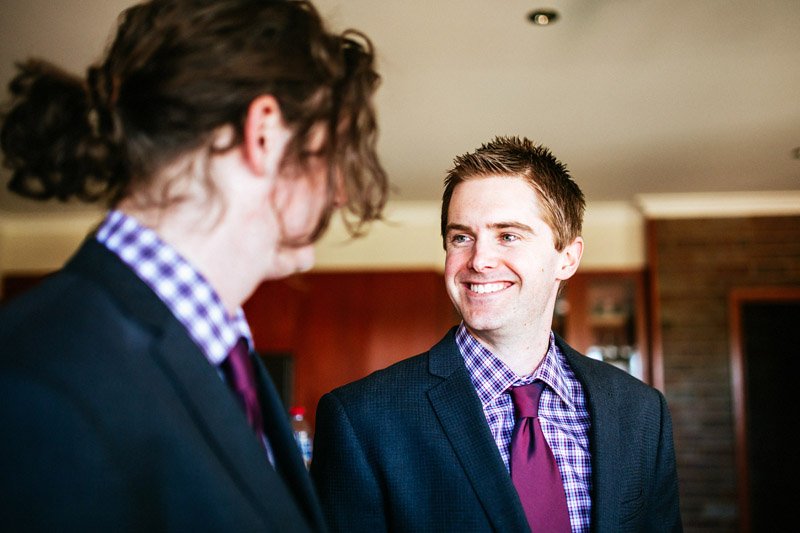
[(483, 288)]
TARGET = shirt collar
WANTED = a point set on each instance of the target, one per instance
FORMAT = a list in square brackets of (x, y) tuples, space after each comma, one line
[(491, 377), (187, 294)]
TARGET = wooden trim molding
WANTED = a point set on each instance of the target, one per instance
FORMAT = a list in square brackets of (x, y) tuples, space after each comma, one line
[(656, 341), (719, 204)]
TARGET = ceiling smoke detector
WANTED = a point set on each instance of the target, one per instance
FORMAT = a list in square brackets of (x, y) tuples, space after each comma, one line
[(542, 17)]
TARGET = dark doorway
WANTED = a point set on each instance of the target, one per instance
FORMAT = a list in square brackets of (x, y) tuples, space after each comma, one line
[(765, 330)]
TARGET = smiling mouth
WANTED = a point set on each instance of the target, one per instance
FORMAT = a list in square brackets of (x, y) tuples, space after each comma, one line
[(487, 288)]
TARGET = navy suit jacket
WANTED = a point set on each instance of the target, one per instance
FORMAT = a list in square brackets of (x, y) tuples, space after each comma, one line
[(408, 449), (113, 419)]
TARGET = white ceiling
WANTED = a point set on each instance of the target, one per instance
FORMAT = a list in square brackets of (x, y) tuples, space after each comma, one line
[(642, 96)]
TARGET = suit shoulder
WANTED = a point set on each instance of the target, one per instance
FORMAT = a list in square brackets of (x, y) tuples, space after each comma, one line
[(58, 297), (67, 322)]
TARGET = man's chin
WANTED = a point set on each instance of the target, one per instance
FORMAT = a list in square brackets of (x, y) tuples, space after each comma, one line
[(482, 325), (305, 259), (292, 261)]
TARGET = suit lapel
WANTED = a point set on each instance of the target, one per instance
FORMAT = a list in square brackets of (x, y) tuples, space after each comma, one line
[(460, 412), (604, 438), (216, 414), (206, 397)]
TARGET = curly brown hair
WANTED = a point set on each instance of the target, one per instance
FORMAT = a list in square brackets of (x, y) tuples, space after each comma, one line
[(560, 198), (178, 70)]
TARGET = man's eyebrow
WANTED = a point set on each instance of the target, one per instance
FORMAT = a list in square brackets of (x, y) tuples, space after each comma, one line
[(496, 226), (456, 227), (516, 225)]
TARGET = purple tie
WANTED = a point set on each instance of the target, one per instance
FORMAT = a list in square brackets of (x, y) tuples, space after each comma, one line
[(534, 471), (238, 370)]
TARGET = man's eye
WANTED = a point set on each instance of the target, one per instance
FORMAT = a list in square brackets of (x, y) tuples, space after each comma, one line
[(508, 237), (458, 239)]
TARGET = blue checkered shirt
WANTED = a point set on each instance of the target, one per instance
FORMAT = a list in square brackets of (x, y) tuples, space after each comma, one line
[(562, 414), (184, 290)]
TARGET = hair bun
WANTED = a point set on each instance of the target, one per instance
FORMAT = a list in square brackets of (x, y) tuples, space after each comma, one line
[(47, 138)]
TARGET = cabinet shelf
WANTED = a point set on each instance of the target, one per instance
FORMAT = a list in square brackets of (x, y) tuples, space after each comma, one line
[(615, 320), (603, 315)]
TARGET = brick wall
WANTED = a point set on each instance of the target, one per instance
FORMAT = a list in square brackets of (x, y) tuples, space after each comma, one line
[(695, 263)]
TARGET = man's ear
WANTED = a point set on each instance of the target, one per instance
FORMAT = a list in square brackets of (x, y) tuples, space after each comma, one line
[(570, 259), (264, 134)]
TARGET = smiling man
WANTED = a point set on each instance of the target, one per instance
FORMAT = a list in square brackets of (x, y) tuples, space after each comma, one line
[(501, 426)]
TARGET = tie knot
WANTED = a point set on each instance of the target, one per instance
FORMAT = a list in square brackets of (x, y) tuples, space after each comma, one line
[(526, 399)]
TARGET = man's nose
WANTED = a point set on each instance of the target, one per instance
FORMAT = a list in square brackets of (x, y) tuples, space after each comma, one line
[(484, 255)]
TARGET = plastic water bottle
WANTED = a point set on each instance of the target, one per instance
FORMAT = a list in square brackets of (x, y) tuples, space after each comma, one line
[(302, 433)]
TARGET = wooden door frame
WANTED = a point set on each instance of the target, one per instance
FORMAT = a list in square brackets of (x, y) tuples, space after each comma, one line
[(736, 298)]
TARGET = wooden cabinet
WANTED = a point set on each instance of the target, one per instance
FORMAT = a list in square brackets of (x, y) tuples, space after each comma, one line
[(340, 326), (602, 314)]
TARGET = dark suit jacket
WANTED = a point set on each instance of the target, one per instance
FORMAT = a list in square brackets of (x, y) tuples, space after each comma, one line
[(113, 420), (408, 449)]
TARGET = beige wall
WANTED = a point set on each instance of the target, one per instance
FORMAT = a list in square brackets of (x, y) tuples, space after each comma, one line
[(410, 238), (35, 243), (407, 239)]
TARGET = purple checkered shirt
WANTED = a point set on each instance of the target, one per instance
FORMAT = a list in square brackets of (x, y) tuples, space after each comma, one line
[(184, 290), (562, 414)]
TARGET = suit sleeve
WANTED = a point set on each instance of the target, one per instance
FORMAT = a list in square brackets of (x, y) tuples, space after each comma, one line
[(347, 485), (47, 485), (664, 509)]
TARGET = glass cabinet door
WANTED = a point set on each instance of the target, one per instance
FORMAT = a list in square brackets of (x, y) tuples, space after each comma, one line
[(602, 315)]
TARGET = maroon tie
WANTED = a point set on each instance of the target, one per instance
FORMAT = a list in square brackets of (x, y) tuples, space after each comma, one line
[(534, 471), (238, 370)]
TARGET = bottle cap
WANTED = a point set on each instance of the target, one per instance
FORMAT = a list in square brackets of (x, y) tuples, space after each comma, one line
[(297, 410)]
